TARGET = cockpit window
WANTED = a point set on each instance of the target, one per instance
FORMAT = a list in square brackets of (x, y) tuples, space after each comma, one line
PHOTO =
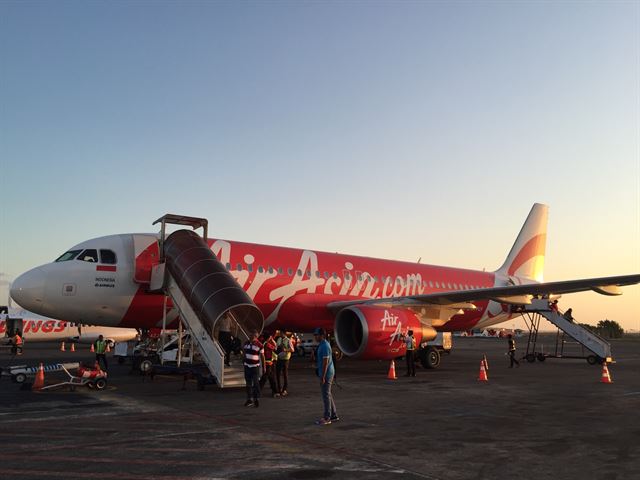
[(70, 255), (89, 255), (108, 257)]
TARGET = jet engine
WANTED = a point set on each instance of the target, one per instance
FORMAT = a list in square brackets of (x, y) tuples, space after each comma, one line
[(375, 332)]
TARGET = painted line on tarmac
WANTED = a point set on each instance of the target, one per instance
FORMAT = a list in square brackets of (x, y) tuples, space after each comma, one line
[(630, 393), (26, 472)]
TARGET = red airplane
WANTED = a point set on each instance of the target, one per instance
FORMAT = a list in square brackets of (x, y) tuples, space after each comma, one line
[(366, 302)]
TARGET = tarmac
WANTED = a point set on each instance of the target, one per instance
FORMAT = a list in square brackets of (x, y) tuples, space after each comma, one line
[(542, 420)]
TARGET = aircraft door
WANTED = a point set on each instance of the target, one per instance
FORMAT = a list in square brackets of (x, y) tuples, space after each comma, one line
[(146, 254), (12, 324)]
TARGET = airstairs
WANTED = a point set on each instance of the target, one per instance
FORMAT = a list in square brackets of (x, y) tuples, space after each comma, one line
[(594, 343), (203, 292)]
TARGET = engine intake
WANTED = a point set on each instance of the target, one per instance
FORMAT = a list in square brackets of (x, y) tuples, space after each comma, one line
[(374, 332)]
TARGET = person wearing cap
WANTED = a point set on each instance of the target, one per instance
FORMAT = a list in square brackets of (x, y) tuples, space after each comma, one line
[(326, 372)]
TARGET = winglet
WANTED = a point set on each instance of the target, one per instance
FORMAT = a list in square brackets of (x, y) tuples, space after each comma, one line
[(526, 258)]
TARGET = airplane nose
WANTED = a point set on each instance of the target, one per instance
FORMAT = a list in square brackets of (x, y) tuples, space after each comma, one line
[(28, 289)]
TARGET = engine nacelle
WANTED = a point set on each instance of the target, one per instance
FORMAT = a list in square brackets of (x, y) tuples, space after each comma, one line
[(374, 332)]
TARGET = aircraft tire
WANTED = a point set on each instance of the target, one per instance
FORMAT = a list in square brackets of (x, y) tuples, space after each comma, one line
[(429, 357)]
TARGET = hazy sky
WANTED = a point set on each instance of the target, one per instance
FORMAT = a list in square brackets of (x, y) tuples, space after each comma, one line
[(391, 129)]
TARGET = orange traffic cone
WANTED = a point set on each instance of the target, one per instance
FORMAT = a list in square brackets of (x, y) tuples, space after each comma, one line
[(39, 381), (482, 376), (73, 347), (392, 371), (92, 350), (606, 378), (62, 347)]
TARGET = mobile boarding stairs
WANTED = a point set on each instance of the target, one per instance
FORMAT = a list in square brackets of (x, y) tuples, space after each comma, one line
[(203, 291), (597, 348)]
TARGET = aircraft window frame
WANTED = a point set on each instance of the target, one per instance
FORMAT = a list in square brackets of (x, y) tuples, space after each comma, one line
[(95, 257), (73, 253), (110, 261)]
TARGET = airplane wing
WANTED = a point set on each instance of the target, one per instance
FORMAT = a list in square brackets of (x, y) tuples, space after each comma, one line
[(513, 294)]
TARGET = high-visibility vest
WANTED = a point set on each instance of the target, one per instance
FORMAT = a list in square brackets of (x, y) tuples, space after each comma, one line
[(512, 345), (101, 346), (18, 339)]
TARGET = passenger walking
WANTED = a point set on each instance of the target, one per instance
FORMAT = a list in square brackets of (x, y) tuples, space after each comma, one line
[(554, 306), (325, 370), (282, 365), (270, 359), (100, 347), (568, 315), (253, 354), (410, 342), (512, 351)]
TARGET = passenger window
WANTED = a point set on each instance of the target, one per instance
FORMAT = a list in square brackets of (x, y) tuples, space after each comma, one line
[(228, 265), (70, 255), (318, 274), (280, 270), (334, 275), (299, 272), (250, 267), (239, 266), (108, 257), (326, 275), (89, 255), (270, 269), (260, 269)]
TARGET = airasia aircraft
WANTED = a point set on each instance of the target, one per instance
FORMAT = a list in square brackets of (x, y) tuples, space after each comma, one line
[(366, 302)]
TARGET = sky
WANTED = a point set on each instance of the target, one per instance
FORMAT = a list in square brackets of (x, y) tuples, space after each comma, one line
[(399, 130)]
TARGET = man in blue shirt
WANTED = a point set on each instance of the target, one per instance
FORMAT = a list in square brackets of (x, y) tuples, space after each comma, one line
[(326, 372)]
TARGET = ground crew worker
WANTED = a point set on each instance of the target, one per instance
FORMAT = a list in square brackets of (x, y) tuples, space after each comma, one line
[(282, 365), (101, 347), (270, 359), (410, 342), (325, 371), (253, 354), (16, 349), (512, 351)]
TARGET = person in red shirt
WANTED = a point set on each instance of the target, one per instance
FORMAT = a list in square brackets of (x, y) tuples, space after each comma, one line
[(270, 358)]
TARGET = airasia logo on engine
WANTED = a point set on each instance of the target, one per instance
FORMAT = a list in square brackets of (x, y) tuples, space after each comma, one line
[(390, 320)]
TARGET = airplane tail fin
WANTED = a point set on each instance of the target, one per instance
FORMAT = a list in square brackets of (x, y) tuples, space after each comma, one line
[(526, 258)]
